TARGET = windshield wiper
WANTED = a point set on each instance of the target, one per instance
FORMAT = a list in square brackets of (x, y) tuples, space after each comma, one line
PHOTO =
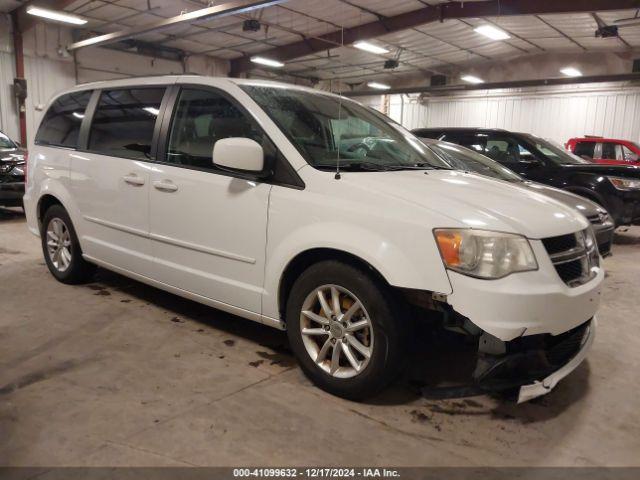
[(369, 166)]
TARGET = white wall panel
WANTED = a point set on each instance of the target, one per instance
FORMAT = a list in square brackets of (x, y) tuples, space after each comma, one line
[(45, 78), (559, 114)]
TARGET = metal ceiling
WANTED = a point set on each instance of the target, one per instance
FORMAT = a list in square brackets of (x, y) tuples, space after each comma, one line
[(428, 48)]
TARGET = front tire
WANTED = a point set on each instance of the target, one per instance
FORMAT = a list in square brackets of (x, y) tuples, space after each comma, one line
[(345, 328), (61, 248)]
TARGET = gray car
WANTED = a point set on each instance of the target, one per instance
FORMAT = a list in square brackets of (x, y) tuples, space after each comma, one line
[(12, 167), (462, 158)]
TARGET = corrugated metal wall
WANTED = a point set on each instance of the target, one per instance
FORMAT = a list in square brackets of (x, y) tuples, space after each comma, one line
[(46, 78), (558, 113)]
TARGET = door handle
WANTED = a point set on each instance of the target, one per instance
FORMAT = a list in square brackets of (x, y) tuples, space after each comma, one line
[(165, 185), (133, 179)]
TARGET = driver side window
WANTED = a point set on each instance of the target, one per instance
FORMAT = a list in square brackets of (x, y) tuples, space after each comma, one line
[(202, 118)]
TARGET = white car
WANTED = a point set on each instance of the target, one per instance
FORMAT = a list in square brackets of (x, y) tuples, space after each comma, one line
[(235, 193)]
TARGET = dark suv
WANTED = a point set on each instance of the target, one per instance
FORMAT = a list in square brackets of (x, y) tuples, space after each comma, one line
[(12, 163), (615, 187)]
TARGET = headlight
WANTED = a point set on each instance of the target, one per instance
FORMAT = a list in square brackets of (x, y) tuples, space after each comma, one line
[(484, 254), (625, 183)]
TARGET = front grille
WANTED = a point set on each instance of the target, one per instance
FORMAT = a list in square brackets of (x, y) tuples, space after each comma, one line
[(570, 271), (574, 256), (559, 244)]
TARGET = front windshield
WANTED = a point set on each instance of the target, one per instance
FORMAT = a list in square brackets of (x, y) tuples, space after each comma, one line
[(6, 142), (462, 158), (328, 130), (555, 152)]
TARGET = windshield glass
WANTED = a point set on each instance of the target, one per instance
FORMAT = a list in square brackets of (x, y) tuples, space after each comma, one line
[(326, 129), (555, 152), (6, 142), (462, 158)]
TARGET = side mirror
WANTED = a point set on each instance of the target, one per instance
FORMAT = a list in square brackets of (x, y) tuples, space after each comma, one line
[(237, 154)]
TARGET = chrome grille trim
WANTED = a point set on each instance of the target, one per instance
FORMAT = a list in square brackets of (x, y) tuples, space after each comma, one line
[(575, 265)]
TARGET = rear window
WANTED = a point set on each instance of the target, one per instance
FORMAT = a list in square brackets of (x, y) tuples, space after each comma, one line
[(61, 124), (124, 121)]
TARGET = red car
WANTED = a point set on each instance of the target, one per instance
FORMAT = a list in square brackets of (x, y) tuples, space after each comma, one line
[(608, 151)]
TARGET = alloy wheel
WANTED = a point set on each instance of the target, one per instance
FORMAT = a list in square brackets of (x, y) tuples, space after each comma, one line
[(59, 244), (336, 331)]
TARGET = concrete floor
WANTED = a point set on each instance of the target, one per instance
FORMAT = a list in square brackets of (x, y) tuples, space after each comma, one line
[(118, 373)]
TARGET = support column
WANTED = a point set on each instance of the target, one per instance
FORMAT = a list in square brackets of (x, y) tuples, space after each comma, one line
[(18, 53)]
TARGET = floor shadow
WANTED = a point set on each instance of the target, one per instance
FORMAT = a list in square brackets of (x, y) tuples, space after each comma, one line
[(626, 238), (437, 359), (181, 308)]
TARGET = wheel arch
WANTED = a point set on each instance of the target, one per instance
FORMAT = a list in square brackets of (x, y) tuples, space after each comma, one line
[(45, 202), (306, 258)]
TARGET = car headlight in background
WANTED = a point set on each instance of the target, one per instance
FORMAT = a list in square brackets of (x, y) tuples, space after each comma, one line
[(625, 183), (484, 254)]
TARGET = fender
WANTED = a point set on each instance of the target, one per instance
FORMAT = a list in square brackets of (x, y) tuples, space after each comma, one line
[(397, 266)]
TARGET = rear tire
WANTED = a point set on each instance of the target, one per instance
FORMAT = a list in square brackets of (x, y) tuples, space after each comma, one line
[(61, 248), (363, 330)]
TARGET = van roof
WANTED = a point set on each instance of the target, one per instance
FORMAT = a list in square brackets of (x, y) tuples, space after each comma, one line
[(164, 79)]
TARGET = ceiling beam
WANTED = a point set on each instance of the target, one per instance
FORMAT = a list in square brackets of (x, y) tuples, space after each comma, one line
[(232, 7), (429, 14), (620, 77)]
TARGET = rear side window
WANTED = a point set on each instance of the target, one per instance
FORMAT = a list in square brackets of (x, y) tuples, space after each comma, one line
[(61, 124), (585, 149), (124, 121)]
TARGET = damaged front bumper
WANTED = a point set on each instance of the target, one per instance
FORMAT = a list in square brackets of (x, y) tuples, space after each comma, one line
[(544, 386), (534, 365)]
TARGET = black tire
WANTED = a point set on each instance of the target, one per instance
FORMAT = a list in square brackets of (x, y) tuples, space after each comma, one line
[(78, 269), (389, 331)]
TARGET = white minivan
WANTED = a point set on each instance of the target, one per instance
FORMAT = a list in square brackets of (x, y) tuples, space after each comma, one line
[(263, 200)]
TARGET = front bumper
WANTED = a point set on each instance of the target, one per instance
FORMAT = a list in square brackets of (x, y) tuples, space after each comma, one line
[(604, 238), (544, 386), (527, 303)]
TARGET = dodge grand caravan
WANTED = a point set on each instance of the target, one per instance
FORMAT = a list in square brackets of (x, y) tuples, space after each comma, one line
[(236, 194)]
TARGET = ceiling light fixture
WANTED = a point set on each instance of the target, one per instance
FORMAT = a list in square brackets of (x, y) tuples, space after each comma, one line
[(492, 32), (370, 47), (378, 86), (57, 16), (471, 79), (267, 61), (571, 72)]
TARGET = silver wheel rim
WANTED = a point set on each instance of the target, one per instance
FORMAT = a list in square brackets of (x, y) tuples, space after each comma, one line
[(336, 331), (59, 244)]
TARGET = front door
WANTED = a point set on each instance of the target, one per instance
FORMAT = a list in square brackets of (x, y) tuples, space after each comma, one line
[(207, 227)]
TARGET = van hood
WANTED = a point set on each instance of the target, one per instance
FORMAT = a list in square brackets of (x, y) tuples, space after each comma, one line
[(474, 201)]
